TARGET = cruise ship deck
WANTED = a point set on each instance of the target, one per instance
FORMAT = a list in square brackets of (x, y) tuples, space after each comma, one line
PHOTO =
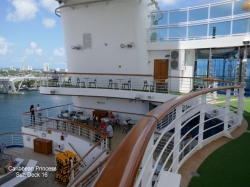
[(192, 164), (45, 161)]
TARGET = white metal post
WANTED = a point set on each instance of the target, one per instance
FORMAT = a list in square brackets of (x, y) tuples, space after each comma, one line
[(202, 116), (240, 105), (226, 115), (177, 137), (149, 166)]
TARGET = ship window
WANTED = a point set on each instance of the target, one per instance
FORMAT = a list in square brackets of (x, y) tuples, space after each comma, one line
[(87, 41)]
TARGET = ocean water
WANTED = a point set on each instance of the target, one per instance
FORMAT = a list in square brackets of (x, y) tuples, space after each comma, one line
[(12, 107)]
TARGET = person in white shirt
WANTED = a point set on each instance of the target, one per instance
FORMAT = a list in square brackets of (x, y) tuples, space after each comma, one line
[(109, 130), (39, 111)]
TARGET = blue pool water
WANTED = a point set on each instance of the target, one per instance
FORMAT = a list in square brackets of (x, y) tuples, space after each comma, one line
[(12, 107)]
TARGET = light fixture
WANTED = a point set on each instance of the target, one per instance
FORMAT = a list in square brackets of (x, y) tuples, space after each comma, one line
[(77, 47), (130, 45)]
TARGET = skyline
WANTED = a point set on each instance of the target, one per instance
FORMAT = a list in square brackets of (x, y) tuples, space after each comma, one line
[(31, 34)]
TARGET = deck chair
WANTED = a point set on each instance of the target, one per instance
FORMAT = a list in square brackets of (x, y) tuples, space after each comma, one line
[(25, 174), (19, 161), (67, 81), (128, 84), (111, 83), (94, 82)]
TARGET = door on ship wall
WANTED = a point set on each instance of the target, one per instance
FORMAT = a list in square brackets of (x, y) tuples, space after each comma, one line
[(160, 71)]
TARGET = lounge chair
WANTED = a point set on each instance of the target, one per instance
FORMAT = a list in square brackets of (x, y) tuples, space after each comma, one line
[(25, 174), (19, 161)]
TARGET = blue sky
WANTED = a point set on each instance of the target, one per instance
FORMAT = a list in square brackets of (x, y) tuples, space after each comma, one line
[(31, 33)]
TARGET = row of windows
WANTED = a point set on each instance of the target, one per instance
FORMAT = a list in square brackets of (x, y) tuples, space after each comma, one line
[(221, 29), (208, 12)]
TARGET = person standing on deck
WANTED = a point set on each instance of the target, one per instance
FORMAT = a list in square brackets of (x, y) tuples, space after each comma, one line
[(32, 116), (109, 130), (39, 111)]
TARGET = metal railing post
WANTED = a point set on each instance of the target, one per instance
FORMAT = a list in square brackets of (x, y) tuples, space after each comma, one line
[(227, 106), (240, 105), (177, 137), (202, 116), (131, 84)]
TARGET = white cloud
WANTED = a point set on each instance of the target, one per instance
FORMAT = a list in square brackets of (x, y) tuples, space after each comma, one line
[(59, 52), (50, 5), (168, 2), (49, 22), (34, 50), (3, 46), (24, 10)]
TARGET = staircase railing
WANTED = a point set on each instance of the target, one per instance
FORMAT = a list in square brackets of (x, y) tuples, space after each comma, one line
[(134, 162), (88, 179), (76, 171)]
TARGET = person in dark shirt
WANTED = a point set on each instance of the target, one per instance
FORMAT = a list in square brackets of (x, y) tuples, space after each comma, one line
[(32, 112)]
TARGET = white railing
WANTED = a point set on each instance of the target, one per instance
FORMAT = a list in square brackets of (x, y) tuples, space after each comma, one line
[(86, 161), (41, 123), (88, 179), (12, 139), (188, 133), (143, 83)]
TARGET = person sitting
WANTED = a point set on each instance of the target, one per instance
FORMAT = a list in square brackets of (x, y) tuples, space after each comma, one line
[(7, 168), (111, 117), (103, 126), (66, 115)]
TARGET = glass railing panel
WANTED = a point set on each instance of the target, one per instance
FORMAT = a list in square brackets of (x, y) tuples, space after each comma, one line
[(197, 30), (240, 26), (159, 19), (177, 32), (177, 17), (222, 28), (237, 7), (198, 14), (158, 35), (221, 10)]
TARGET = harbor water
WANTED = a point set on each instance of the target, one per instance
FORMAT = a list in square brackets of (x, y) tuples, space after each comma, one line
[(12, 107)]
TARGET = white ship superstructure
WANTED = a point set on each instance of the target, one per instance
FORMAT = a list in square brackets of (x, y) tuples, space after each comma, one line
[(165, 70)]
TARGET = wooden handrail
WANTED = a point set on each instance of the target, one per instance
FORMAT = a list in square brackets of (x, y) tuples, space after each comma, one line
[(124, 163), (86, 155), (93, 170), (75, 150)]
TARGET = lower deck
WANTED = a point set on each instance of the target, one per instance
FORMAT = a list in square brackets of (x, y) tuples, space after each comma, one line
[(45, 161)]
